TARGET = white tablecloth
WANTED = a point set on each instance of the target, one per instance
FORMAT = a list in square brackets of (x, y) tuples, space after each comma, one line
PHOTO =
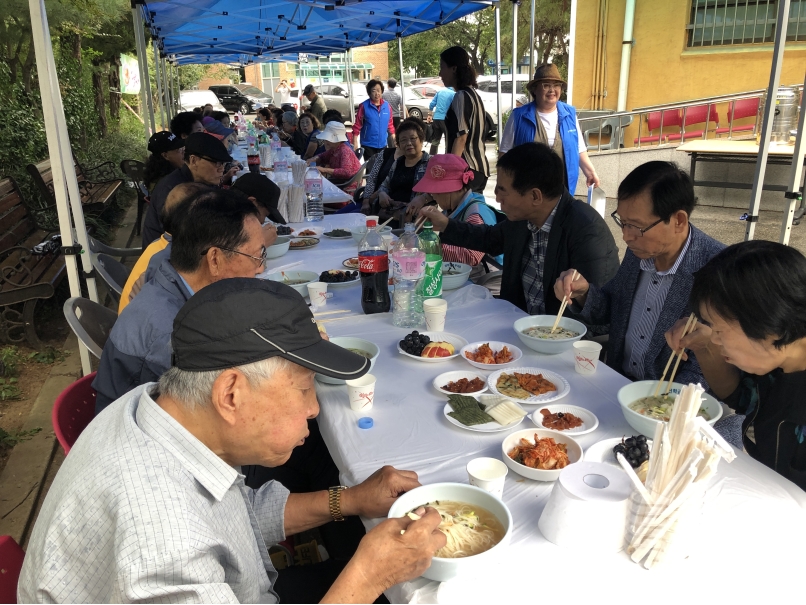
[(754, 525)]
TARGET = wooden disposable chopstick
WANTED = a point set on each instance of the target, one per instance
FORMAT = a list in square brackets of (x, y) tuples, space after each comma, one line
[(386, 222), (677, 363), (563, 305), (331, 312), (324, 321), (688, 327), (420, 224)]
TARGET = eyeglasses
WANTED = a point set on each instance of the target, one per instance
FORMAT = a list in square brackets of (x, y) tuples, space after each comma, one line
[(552, 85), (413, 141), (216, 163), (633, 228), (261, 260)]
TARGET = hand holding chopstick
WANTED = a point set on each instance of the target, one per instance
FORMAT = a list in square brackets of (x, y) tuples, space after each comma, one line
[(692, 320), (563, 305)]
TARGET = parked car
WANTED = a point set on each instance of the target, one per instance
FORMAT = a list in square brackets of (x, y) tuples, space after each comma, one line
[(235, 100), (418, 98), (433, 80), (191, 99), (336, 96), (489, 91), (253, 92)]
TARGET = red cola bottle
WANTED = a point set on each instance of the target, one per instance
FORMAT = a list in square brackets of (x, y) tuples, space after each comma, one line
[(373, 263)]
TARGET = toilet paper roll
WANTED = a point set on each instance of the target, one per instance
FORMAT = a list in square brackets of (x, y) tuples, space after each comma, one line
[(588, 508)]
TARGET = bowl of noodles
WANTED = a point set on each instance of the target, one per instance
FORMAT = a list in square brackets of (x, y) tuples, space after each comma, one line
[(535, 332), (643, 411), (477, 524), (359, 346)]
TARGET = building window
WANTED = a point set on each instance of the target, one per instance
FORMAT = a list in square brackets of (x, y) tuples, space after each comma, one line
[(725, 22)]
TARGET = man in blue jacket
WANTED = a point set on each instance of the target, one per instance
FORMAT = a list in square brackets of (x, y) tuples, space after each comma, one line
[(651, 290)]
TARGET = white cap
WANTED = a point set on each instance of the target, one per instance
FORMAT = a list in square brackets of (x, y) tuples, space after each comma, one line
[(335, 132)]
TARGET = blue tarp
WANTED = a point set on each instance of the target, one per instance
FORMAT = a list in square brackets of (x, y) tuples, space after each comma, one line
[(237, 31)]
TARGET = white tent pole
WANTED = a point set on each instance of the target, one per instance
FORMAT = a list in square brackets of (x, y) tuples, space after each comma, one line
[(166, 91), (796, 172), (769, 110), (141, 58), (65, 183), (498, 67), (158, 78), (347, 56), (514, 49), (569, 94), (319, 69), (532, 39), (172, 74), (404, 113), (146, 80)]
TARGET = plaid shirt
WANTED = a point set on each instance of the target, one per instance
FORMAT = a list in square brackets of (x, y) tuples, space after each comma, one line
[(533, 259)]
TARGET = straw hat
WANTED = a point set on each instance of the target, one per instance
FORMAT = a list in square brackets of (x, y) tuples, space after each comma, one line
[(547, 71), (334, 132)]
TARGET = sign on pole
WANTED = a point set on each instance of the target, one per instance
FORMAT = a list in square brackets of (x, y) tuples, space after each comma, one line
[(129, 75)]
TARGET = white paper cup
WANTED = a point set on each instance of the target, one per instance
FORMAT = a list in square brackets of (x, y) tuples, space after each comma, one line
[(488, 474), (586, 356), (361, 392), (317, 291), (371, 217), (435, 310)]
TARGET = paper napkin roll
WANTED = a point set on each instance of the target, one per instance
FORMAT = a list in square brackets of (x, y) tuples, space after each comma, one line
[(588, 508)]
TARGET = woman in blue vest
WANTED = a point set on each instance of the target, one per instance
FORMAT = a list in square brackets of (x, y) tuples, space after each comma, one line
[(549, 121), (373, 121)]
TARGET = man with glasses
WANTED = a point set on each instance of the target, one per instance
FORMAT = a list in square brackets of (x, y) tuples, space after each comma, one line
[(650, 292), (205, 157), (219, 237), (549, 121)]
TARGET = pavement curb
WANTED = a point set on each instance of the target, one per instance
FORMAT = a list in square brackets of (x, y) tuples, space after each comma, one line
[(24, 474)]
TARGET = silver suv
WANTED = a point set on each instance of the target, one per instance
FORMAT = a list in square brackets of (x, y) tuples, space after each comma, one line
[(336, 97)]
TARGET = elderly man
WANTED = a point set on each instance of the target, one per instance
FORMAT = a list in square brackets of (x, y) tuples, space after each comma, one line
[(205, 157), (317, 107), (151, 506), (219, 237), (651, 290), (291, 134), (548, 231)]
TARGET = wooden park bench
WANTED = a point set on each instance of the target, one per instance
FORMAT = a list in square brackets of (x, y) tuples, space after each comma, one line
[(25, 277), (97, 185)]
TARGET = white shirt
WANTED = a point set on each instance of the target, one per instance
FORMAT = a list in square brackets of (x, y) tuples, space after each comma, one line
[(141, 510), (549, 121), (284, 95)]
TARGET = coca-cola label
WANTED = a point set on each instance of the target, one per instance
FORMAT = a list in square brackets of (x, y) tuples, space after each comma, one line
[(253, 159), (373, 264)]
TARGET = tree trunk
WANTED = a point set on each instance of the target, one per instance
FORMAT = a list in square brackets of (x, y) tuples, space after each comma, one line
[(28, 68), (98, 88), (114, 89)]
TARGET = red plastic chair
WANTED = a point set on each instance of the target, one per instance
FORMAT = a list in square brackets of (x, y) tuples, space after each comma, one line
[(660, 119), (698, 114), (744, 108), (11, 556), (73, 410)]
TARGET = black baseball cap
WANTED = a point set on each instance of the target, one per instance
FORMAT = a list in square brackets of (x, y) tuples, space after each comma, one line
[(308, 89), (263, 190), (206, 145), (241, 320), (163, 141)]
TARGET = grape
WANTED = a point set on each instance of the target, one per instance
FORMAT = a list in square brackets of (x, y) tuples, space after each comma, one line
[(629, 442), (402, 344), (640, 439)]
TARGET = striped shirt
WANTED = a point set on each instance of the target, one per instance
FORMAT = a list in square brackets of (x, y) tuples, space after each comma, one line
[(141, 510), (533, 262), (650, 295), (466, 116)]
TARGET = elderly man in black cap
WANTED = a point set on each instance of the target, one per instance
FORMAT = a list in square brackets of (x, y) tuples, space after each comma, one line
[(205, 157), (150, 505), (317, 107)]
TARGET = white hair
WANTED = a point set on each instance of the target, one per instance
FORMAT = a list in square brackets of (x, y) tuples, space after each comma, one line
[(195, 389), (290, 118)]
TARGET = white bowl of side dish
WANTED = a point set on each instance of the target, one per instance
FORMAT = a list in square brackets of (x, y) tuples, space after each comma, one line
[(279, 247), (573, 449), (298, 280), (454, 275), (495, 347), (544, 345), (443, 569), (368, 349), (629, 394)]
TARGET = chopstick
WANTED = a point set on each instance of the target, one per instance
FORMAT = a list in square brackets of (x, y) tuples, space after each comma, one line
[(331, 312), (563, 305), (386, 222), (677, 363), (282, 268), (419, 224), (330, 319), (692, 319)]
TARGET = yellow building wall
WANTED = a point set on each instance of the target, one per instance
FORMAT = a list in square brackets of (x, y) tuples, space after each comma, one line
[(662, 69)]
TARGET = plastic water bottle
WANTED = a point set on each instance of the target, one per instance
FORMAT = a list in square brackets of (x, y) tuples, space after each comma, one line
[(314, 209), (408, 268), (430, 244), (373, 264), (276, 146)]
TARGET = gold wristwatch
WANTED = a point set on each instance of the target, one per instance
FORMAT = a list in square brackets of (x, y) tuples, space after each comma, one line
[(334, 501)]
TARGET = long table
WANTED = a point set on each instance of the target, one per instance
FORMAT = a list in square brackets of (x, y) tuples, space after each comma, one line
[(754, 521)]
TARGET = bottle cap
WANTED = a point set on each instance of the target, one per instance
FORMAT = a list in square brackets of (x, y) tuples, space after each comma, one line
[(428, 225), (372, 223), (365, 423)]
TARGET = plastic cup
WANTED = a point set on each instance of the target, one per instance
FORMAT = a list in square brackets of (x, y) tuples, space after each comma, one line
[(488, 474), (372, 217), (435, 310), (586, 356), (317, 291), (361, 392)]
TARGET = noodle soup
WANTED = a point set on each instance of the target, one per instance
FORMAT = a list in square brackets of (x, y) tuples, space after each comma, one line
[(470, 529), (545, 333), (659, 408)]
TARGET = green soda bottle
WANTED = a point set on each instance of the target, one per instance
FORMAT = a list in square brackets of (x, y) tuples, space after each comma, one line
[(430, 244)]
